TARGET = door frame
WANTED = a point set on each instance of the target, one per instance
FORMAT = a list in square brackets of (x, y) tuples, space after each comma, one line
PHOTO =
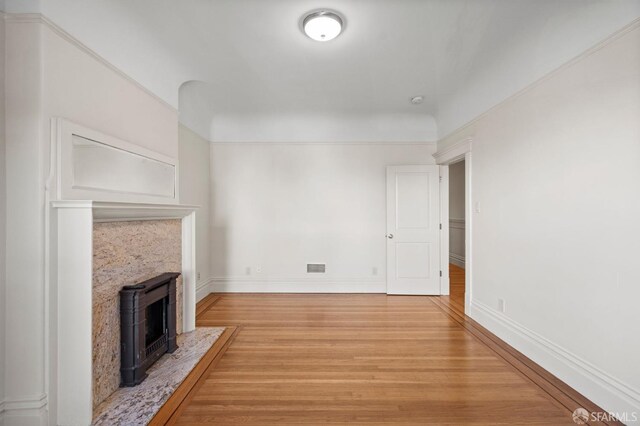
[(455, 153)]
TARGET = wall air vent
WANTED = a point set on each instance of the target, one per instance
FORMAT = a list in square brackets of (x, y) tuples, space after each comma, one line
[(316, 268)]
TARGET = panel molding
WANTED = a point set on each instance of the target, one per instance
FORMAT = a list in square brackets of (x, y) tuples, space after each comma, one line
[(457, 223), (597, 385), (62, 166), (31, 411)]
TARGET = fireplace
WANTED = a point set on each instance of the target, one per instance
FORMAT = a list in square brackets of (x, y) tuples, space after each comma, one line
[(147, 325)]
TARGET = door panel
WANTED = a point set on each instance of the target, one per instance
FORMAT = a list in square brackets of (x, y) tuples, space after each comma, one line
[(413, 230)]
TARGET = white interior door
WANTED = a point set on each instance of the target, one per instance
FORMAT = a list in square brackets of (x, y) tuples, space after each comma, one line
[(413, 230)]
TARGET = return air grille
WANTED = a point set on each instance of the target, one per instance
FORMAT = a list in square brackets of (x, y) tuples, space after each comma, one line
[(316, 268)]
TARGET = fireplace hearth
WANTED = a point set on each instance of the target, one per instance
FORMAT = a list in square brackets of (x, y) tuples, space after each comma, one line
[(148, 325)]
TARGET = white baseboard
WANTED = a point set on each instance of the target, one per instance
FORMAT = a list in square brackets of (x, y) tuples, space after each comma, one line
[(606, 391), (457, 260), (231, 285), (24, 412), (203, 289)]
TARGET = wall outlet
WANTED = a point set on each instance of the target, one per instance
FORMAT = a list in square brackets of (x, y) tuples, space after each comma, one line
[(247, 270), (198, 275), (501, 305), (259, 269)]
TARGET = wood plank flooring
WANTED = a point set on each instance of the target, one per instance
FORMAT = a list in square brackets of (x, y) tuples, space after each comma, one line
[(311, 359), (456, 287)]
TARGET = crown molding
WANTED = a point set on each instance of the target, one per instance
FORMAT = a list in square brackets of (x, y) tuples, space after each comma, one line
[(590, 51), (342, 143), (38, 18), (24, 18), (453, 152)]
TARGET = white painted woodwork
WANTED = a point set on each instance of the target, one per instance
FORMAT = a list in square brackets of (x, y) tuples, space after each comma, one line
[(92, 165), (413, 230), (71, 296)]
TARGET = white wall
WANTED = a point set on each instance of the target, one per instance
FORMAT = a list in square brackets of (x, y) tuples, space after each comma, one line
[(556, 180), (195, 189), (456, 213), (277, 207), (3, 207), (49, 75), (195, 108), (25, 344), (456, 190)]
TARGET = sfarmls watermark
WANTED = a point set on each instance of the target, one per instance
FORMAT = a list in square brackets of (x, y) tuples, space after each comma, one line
[(581, 416)]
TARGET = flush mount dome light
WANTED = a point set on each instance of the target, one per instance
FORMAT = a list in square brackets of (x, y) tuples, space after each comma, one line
[(322, 25)]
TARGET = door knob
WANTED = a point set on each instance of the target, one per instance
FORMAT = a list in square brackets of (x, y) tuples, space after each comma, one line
[(390, 236)]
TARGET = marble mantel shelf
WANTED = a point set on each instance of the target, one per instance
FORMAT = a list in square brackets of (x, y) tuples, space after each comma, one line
[(70, 281), (104, 211)]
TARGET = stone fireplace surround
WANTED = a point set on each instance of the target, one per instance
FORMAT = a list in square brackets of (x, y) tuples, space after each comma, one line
[(72, 278), (126, 253)]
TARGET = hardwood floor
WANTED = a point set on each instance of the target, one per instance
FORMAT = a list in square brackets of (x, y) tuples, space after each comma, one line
[(311, 359), (456, 287)]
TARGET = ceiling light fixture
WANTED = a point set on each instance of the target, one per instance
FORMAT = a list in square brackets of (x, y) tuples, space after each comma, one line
[(322, 25), (417, 100)]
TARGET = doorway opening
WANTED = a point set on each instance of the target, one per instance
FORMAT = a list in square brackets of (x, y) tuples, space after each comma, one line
[(456, 159), (457, 202)]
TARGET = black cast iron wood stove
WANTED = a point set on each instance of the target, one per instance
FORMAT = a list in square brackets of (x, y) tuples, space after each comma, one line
[(147, 325)]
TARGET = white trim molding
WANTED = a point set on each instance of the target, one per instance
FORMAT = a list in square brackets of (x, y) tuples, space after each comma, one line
[(204, 288), (338, 143), (79, 148), (27, 411), (445, 279), (600, 387), (454, 152), (71, 273)]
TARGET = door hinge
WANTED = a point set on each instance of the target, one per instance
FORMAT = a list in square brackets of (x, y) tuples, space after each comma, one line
[(440, 226), (440, 273), (440, 178)]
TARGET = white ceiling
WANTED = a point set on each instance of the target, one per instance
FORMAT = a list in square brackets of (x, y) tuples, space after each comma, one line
[(256, 66)]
